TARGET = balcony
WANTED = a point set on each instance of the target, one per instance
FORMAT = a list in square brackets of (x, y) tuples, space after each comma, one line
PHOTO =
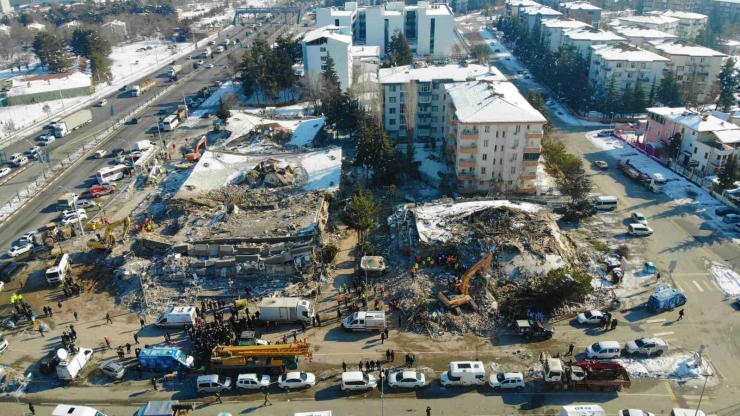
[(453, 122), (534, 135), (631, 69), (469, 134), (532, 150), (466, 163), (527, 176), (468, 150), (530, 163), (465, 176), (606, 67)]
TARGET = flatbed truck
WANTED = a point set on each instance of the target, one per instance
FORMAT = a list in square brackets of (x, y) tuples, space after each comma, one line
[(586, 374), (653, 181)]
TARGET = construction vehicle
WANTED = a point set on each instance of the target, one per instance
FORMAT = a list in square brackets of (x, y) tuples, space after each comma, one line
[(192, 157), (606, 376), (453, 300), (52, 233), (142, 87), (651, 180), (94, 225), (108, 240), (262, 359)]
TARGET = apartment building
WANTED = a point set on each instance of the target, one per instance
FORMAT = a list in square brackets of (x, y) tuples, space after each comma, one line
[(553, 30), (326, 41), (706, 141), (584, 39), (5, 7), (427, 26), (423, 88), (689, 24), (727, 8), (658, 22), (582, 11), (628, 64), (639, 35), (677, 5), (534, 15), (730, 47), (492, 137), (688, 59), (513, 6)]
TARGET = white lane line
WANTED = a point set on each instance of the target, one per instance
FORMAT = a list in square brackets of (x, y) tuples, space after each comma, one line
[(655, 321), (679, 287), (698, 286), (662, 334)]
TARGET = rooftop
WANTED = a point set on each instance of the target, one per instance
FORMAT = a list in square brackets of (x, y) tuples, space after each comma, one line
[(579, 5), (592, 34), (48, 83), (525, 3), (649, 20), (643, 32), (491, 102), (625, 52), (329, 32), (682, 47), (365, 51), (564, 22), (450, 73), (731, 43), (693, 120), (682, 15), (541, 10)]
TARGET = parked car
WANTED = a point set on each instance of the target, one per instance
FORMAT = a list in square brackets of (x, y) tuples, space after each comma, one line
[(50, 125), (601, 164), (71, 212), (639, 218), (19, 249), (48, 140), (27, 237), (506, 381), (22, 161), (212, 383), (200, 62), (113, 370), (4, 172), (73, 219), (406, 379), (123, 88), (605, 133), (11, 271), (84, 203), (209, 66), (100, 154), (102, 103), (731, 218), (253, 382), (649, 346), (49, 363), (296, 380), (590, 317), (635, 412), (497, 50), (33, 151)]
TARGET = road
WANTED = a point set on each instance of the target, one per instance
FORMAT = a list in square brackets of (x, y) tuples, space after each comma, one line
[(81, 176)]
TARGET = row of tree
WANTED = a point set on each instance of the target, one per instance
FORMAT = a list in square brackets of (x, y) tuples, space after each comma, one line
[(51, 51), (266, 72)]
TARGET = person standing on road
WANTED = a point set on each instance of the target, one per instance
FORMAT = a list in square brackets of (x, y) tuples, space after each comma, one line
[(429, 411), (107, 342), (382, 338), (60, 305), (141, 321), (267, 399), (31, 408), (570, 349), (136, 338), (41, 331), (107, 319), (75, 315), (614, 323), (344, 366), (154, 383), (680, 315), (218, 397)]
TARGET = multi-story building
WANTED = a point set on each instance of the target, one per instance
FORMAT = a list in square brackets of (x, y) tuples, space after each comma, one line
[(513, 6), (428, 27), (727, 8), (583, 39), (662, 23), (730, 47), (638, 35), (628, 65), (553, 30), (492, 137), (326, 41), (5, 7), (688, 59), (678, 5), (706, 141), (582, 11), (114, 28), (423, 88), (689, 24), (534, 15)]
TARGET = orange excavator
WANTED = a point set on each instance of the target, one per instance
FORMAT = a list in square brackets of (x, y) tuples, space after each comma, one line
[(453, 300), (192, 157)]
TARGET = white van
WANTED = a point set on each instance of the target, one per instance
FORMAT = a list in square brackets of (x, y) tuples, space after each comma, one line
[(177, 316), (365, 321), (639, 229), (70, 365), (212, 383), (74, 410), (357, 380), (464, 373), (604, 349), (605, 203), (582, 410)]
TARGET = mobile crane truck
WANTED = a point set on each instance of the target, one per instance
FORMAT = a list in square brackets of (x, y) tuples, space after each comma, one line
[(586, 374)]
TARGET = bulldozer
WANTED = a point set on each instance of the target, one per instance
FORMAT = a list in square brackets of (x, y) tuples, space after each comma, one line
[(108, 241), (51, 233), (453, 300), (192, 157)]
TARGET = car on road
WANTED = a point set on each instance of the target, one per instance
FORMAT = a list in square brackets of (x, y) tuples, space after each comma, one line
[(506, 381), (100, 154), (47, 140), (721, 212), (731, 218), (296, 380), (123, 88), (200, 62), (253, 382), (406, 379), (590, 317), (71, 212), (191, 57), (27, 237), (102, 103), (209, 66), (19, 249), (117, 151), (648, 346), (50, 125), (134, 120), (162, 111), (84, 203), (549, 103), (113, 370), (639, 218), (634, 412), (601, 164), (33, 151), (497, 50), (639, 230), (605, 133), (73, 219), (4, 172)]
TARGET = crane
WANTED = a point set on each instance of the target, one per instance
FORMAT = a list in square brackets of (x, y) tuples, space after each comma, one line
[(270, 359), (453, 300), (275, 350), (192, 157), (108, 241)]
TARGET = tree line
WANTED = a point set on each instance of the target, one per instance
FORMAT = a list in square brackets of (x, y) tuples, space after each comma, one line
[(265, 72), (51, 51)]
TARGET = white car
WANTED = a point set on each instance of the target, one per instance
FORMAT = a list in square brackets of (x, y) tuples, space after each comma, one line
[(73, 219), (601, 164), (102, 103), (200, 62), (84, 203), (113, 370), (19, 249), (406, 379), (639, 218), (2, 285), (27, 237), (209, 66), (296, 380), (100, 154), (253, 382), (33, 152), (634, 412), (48, 140), (71, 212), (22, 161), (4, 172), (506, 381), (590, 317)]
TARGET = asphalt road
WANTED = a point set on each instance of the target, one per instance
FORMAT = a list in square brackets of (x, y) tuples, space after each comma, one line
[(42, 209)]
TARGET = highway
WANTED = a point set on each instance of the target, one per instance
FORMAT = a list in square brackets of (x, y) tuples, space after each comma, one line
[(82, 176)]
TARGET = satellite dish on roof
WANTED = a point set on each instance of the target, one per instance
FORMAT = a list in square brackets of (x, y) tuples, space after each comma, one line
[(62, 354)]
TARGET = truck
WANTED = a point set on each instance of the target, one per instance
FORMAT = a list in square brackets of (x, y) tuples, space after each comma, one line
[(143, 87), (206, 53), (582, 410), (52, 233), (181, 113), (59, 270), (365, 321), (164, 359), (67, 201), (72, 122), (174, 70), (286, 310), (75, 410), (606, 376), (665, 298), (157, 408), (654, 181), (71, 364), (275, 359), (531, 328)]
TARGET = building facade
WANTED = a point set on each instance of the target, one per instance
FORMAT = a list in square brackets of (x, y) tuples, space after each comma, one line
[(513, 6), (690, 62), (5, 7), (534, 15), (554, 29), (584, 39), (326, 41), (492, 137), (689, 24), (676, 5), (730, 47), (638, 36), (628, 65), (657, 22), (582, 11)]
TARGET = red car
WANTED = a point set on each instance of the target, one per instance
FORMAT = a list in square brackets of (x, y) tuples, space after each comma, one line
[(99, 190)]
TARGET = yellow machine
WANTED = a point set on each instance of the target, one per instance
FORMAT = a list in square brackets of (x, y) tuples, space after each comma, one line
[(272, 359), (108, 240), (453, 300)]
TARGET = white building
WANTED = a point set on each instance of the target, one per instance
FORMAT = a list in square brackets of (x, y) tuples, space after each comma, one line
[(688, 59), (582, 11), (663, 23), (627, 64), (689, 24), (553, 30), (492, 137), (428, 27), (328, 41), (114, 28), (513, 6), (5, 7), (730, 47), (583, 39), (637, 35), (404, 85), (534, 15)]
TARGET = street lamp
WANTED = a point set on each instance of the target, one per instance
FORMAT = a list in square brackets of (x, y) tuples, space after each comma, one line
[(184, 102), (40, 156), (74, 207)]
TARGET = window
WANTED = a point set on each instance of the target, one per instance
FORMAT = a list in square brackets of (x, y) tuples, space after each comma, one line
[(424, 99), (517, 129), (392, 110), (392, 100), (402, 122), (435, 97), (481, 182), (434, 129), (695, 149), (435, 108), (485, 157), (485, 143), (628, 85), (402, 109), (679, 68), (503, 134), (496, 134), (323, 67), (435, 86), (513, 170), (515, 144), (494, 162), (425, 87), (501, 161), (679, 77), (619, 64), (487, 129), (706, 155), (393, 88), (495, 148), (435, 119), (322, 49), (643, 65), (403, 97), (392, 121)]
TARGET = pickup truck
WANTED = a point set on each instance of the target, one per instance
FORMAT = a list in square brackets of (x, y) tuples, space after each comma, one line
[(100, 190)]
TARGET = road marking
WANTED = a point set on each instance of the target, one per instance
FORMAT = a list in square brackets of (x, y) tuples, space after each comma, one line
[(695, 398), (655, 321), (662, 334), (671, 394), (698, 286), (679, 287), (691, 274), (709, 287)]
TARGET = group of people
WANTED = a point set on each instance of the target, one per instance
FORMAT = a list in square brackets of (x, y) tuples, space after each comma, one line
[(607, 323)]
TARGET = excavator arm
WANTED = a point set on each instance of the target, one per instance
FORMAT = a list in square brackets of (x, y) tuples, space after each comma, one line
[(196, 152), (108, 240), (483, 265)]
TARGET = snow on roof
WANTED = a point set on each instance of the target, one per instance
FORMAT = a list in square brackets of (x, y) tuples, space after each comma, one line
[(541, 10), (579, 5), (452, 72), (682, 47), (365, 51), (728, 136), (683, 15), (327, 32), (432, 219), (649, 20), (517, 3), (306, 131), (242, 123), (491, 102), (643, 32), (46, 83), (564, 23), (693, 120), (624, 52), (731, 43), (592, 34)]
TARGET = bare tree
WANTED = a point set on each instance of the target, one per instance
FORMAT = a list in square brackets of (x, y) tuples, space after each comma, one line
[(409, 108), (312, 88), (46, 109), (710, 97)]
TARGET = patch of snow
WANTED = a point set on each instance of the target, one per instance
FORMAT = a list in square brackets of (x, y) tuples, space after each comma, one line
[(303, 109), (678, 366), (545, 183), (226, 88), (432, 161), (324, 169), (727, 280)]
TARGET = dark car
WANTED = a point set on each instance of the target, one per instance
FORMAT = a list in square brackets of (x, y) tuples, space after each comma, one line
[(41, 252), (117, 151), (48, 364), (724, 211), (123, 88), (162, 111), (134, 120), (10, 272)]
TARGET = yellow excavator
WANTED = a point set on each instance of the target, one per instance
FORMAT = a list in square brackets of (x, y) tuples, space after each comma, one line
[(108, 241), (453, 300)]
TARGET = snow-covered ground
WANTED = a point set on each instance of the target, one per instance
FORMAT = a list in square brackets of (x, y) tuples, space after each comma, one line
[(727, 280), (304, 109), (680, 366), (431, 161), (545, 182)]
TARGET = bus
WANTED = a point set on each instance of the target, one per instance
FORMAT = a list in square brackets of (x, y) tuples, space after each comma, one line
[(112, 173), (170, 123)]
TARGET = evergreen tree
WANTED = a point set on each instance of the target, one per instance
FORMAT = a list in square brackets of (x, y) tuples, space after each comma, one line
[(728, 174), (669, 93), (691, 90), (332, 86), (707, 38), (610, 103), (50, 51), (728, 85), (374, 150), (625, 102), (399, 51), (638, 99), (652, 94), (223, 110), (361, 212)]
